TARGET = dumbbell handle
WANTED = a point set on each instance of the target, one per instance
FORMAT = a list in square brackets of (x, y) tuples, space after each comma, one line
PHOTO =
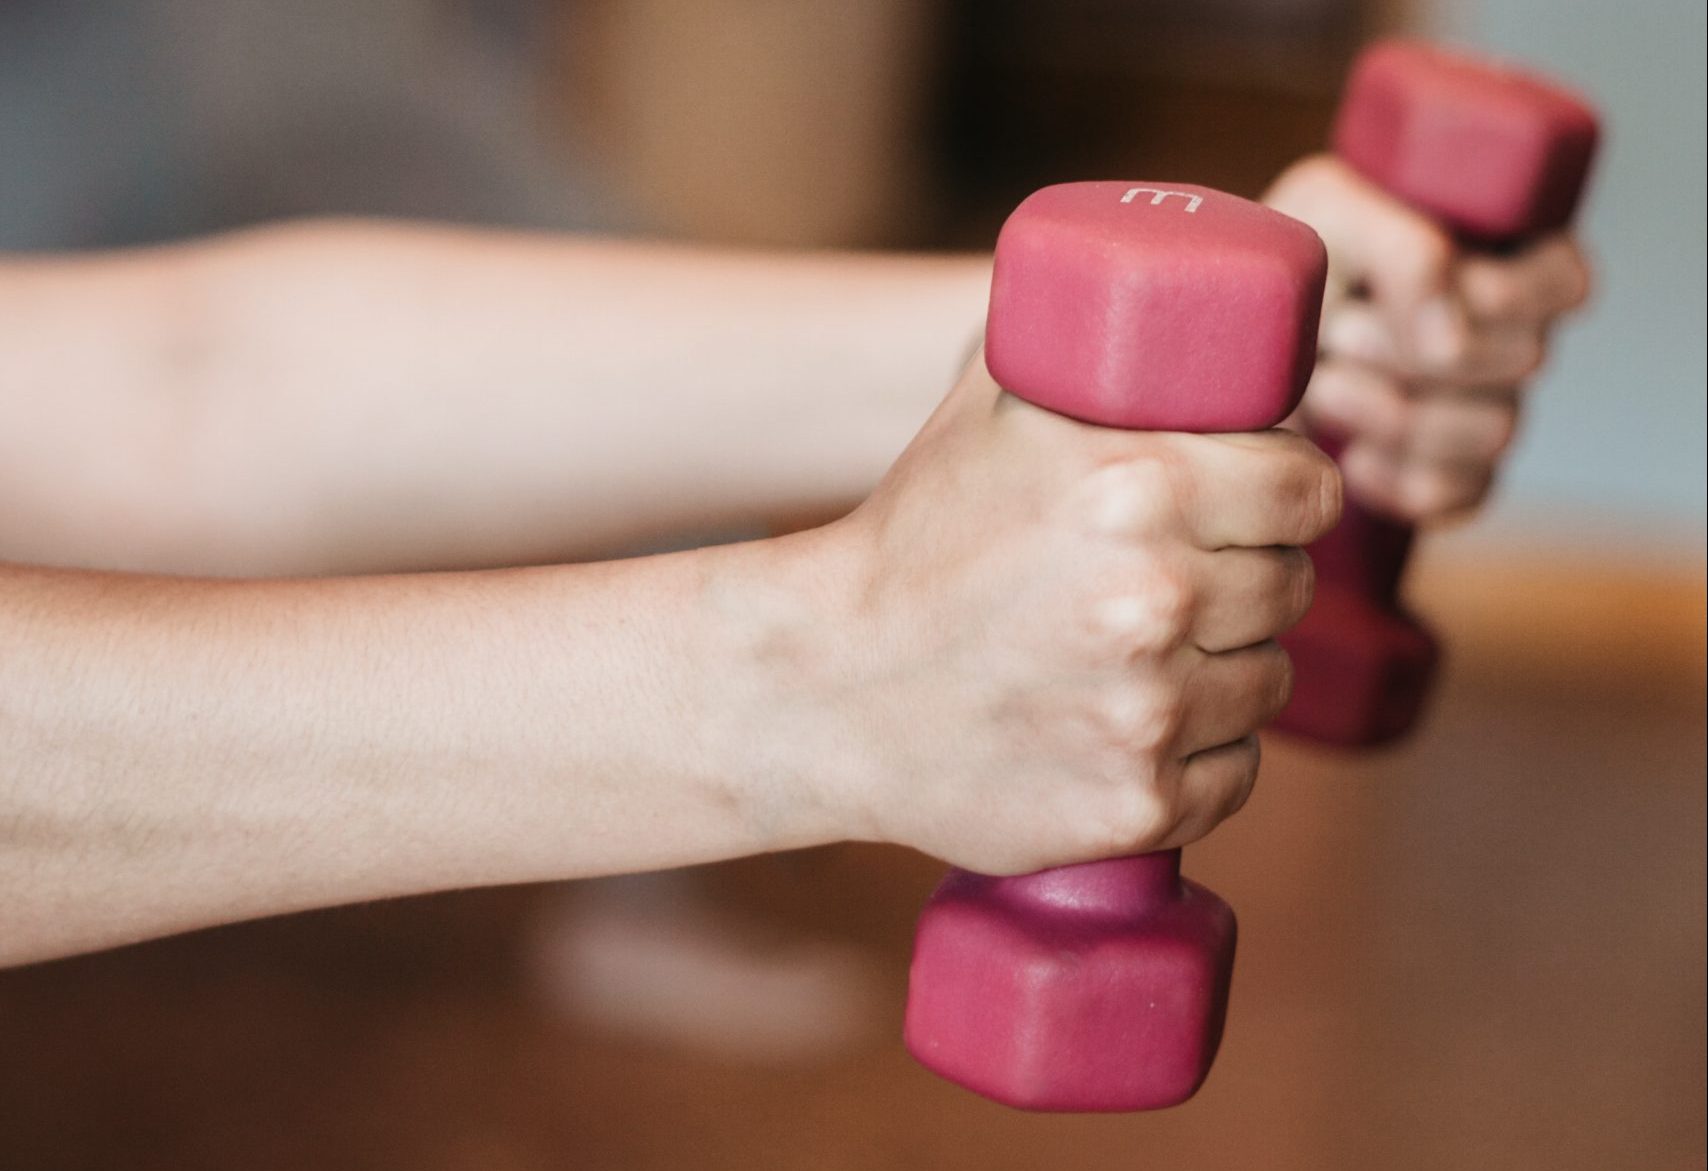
[(1127, 886)]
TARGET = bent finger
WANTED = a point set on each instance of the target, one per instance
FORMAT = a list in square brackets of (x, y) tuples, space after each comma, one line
[(1248, 596), (1413, 491), (1254, 490), (1461, 430), (1214, 785), (1350, 399), (1231, 695)]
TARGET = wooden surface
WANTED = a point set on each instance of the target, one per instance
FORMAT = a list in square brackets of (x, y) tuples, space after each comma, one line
[(1485, 950)]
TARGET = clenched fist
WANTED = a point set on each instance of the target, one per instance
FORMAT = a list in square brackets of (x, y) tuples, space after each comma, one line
[(1425, 346), (1058, 642)]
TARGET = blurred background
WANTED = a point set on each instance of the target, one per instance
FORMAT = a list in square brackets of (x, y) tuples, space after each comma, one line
[(1482, 950)]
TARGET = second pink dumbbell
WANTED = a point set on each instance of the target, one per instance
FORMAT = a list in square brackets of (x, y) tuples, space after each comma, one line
[(1496, 156)]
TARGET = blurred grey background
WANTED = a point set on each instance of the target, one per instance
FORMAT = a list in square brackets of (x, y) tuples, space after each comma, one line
[(891, 122), (126, 121)]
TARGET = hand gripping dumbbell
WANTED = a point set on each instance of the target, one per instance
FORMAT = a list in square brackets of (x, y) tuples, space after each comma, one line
[(1495, 156), (1150, 307)]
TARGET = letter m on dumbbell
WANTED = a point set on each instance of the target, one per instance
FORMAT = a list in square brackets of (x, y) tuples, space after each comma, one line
[(1158, 195)]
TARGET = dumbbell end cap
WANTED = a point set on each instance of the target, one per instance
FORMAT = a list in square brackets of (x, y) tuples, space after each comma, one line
[(1155, 306), (1494, 152), (1044, 1007)]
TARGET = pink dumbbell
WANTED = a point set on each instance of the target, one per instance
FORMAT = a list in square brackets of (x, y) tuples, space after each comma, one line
[(1150, 307), (1495, 156)]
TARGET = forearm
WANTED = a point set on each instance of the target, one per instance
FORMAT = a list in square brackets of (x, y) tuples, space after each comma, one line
[(1037, 643), (359, 397), (178, 753)]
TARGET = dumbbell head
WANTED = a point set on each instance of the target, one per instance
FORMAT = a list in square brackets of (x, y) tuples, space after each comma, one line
[(1153, 306), (1100, 987), (1493, 153), (1363, 671)]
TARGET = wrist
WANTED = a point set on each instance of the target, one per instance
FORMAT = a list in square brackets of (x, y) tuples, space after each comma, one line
[(784, 618)]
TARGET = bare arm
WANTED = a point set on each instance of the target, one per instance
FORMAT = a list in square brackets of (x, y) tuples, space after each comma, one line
[(182, 752), (1037, 642), (349, 397)]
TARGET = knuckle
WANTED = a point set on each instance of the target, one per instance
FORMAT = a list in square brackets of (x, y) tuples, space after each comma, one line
[(1132, 496), (1122, 626), (1392, 414), (1451, 349), (1434, 251), (1502, 297), (1133, 818), (1354, 331), (1332, 384), (1432, 493), (1301, 185), (1318, 169), (1502, 301), (1141, 720), (1425, 494), (1173, 601), (1422, 255), (1155, 618), (1120, 621)]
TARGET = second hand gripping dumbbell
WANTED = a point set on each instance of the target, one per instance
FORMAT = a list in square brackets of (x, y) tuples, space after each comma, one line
[(1150, 307), (1495, 156)]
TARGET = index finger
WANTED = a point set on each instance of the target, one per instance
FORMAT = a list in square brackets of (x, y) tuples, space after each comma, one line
[(1260, 489)]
